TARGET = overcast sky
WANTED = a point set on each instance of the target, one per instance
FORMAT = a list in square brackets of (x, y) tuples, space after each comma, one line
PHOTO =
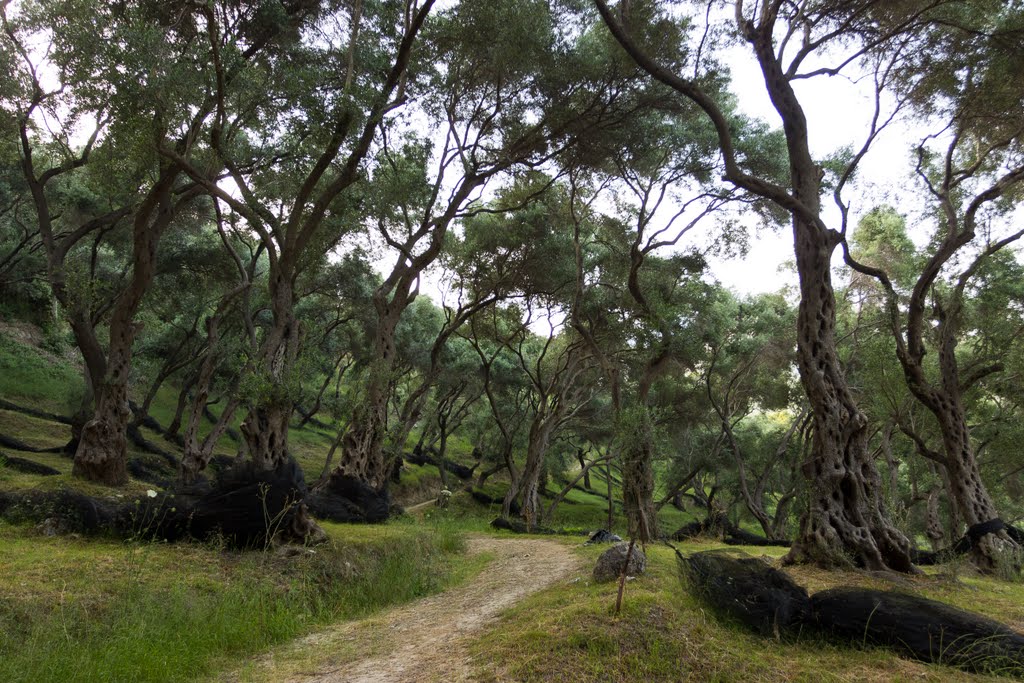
[(839, 111)]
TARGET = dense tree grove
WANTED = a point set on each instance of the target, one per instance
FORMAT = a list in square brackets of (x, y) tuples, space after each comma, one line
[(410, 222)]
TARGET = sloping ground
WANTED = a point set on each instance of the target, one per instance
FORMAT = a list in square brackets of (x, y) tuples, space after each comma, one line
[(426, 640), (665, 635)]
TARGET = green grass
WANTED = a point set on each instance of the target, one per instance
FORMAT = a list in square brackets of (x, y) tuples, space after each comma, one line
[(32, 430), (30, 376), (664, 634), (99, 610)]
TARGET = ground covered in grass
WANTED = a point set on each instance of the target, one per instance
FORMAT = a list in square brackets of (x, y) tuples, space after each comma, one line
[(102, 610), (570, 633)]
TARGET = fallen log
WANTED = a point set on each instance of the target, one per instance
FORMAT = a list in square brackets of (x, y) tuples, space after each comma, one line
[(460, 471), (919, 628), (32, 412), (769, 602), (481, 497), (245, 509), (747, 590), (346, 499), (975, 533), (720, 527)]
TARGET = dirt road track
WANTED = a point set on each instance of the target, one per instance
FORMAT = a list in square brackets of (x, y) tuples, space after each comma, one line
[(426, 640)]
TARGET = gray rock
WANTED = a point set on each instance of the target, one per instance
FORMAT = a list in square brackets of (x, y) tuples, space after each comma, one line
[(603, 536), (610, 564)]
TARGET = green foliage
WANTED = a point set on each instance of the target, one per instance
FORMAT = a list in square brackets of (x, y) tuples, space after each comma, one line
[(881, 241)]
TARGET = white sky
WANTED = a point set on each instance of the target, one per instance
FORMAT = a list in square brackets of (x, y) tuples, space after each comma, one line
[(839, 112)]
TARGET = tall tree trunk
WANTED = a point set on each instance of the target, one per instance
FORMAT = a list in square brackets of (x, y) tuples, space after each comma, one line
[(845, 518), (102, 449), (970, 502), (528, 488), (967, 491), (265, 427), (845, 515), (362, 449)]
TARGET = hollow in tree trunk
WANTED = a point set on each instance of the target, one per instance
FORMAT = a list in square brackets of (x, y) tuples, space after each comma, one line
[(845, 521), (362, 448), (968, 492)]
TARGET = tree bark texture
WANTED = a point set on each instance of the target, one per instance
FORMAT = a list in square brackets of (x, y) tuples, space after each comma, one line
[(638, 480), (102, 448), (845, 521), (970, 501), (528, 485), (966, 488), (102, 454), (265, 427), (362, 449)]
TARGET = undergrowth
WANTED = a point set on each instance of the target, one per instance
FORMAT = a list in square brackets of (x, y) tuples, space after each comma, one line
[(99, 610)]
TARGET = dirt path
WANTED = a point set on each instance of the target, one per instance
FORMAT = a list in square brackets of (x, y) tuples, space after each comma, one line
[(425, 640)]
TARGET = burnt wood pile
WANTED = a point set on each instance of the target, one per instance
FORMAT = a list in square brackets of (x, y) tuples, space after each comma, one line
[(766, 600), (242, 507)]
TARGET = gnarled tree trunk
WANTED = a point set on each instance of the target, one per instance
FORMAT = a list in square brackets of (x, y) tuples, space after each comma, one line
[(845, 521), (528, 485), (265, 427), (362, 449), (102, 454), (102, 448), (968, 492)]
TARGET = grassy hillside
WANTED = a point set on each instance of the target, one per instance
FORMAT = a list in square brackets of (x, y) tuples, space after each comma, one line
[(106, 610), (76, 609)]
